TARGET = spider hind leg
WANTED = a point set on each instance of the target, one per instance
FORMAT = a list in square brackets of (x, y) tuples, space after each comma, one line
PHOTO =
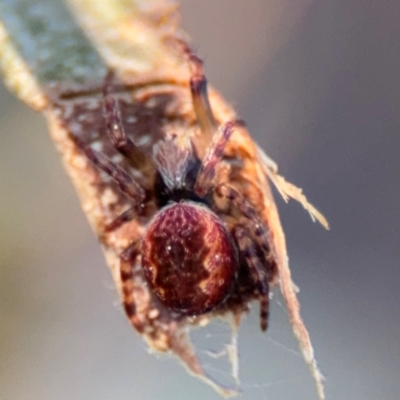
[(127, 264)]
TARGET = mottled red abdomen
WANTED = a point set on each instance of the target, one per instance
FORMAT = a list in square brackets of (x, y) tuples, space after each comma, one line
[(189, 258)]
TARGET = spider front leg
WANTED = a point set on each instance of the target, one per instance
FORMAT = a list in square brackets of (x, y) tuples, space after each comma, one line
[(115, 128), (258, 272)]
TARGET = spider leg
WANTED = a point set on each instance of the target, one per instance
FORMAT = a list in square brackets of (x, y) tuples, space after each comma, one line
[(137, 210), (126, 183), (127, 263), (260, 233), (115, 128), (126, 216), (255, 232), (257, 271), (213, 156), (198, 88)]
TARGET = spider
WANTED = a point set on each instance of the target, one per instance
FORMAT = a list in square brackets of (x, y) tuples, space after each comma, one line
[(200, 236), (204, 247)]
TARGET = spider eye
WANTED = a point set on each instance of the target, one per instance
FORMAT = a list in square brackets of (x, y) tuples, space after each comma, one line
[(189, 258)]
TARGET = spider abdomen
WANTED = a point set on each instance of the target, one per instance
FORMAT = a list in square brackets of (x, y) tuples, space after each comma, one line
[(189, 258)]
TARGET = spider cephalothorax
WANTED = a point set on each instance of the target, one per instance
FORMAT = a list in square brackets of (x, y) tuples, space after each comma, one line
[(196, 256)]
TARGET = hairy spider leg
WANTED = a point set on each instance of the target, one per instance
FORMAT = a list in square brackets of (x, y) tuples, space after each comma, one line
[(259, 231), (258, 273), (127, 263), (115, 128), (126, 183), (212, 158), (255, 232)]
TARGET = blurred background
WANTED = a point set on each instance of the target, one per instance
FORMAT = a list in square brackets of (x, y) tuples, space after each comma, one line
[(318, 83)]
